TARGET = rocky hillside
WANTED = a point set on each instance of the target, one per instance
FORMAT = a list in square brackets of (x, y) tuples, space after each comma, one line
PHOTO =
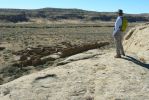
[(54, 14), (137, 42), (92, 75)]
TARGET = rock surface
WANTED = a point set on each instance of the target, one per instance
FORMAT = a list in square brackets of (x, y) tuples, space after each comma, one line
[(100, 77), (92, 75), (137, 41)]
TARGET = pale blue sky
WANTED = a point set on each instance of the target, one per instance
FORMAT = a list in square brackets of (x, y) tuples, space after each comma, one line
[(129, 6)]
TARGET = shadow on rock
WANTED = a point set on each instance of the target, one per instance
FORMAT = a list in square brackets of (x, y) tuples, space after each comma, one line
[(134, 60)]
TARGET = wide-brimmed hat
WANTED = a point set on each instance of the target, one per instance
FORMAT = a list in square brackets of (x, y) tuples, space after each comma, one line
[(120, 11)]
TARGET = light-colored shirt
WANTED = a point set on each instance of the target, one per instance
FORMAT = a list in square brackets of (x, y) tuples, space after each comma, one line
[(118, 24)]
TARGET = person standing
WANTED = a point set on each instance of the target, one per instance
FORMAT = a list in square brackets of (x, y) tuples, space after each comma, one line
[(117, 34)]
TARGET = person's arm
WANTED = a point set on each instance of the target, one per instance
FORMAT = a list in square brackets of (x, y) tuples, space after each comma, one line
[(118, 24)]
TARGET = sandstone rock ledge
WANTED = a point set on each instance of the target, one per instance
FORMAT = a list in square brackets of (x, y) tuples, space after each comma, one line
[(137, 42), (99, 77)]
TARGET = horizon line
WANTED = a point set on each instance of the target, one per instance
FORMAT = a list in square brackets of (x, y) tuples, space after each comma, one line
[(69, 8)]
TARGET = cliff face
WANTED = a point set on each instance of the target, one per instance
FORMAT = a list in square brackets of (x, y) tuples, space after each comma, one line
[(92, 75), (137, 42)]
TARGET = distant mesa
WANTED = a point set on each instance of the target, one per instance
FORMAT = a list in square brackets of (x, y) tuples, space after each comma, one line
[(54, 14)]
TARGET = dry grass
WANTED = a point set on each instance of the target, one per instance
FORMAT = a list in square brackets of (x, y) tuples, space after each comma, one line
[(22, 37), (15, 37)]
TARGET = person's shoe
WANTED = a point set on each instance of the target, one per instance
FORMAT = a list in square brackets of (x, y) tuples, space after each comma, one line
[(123, 54), (117, 56)]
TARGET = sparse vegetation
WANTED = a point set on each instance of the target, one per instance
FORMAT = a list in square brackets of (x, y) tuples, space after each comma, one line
[(16, 37), (55, 14), (24, 36)]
